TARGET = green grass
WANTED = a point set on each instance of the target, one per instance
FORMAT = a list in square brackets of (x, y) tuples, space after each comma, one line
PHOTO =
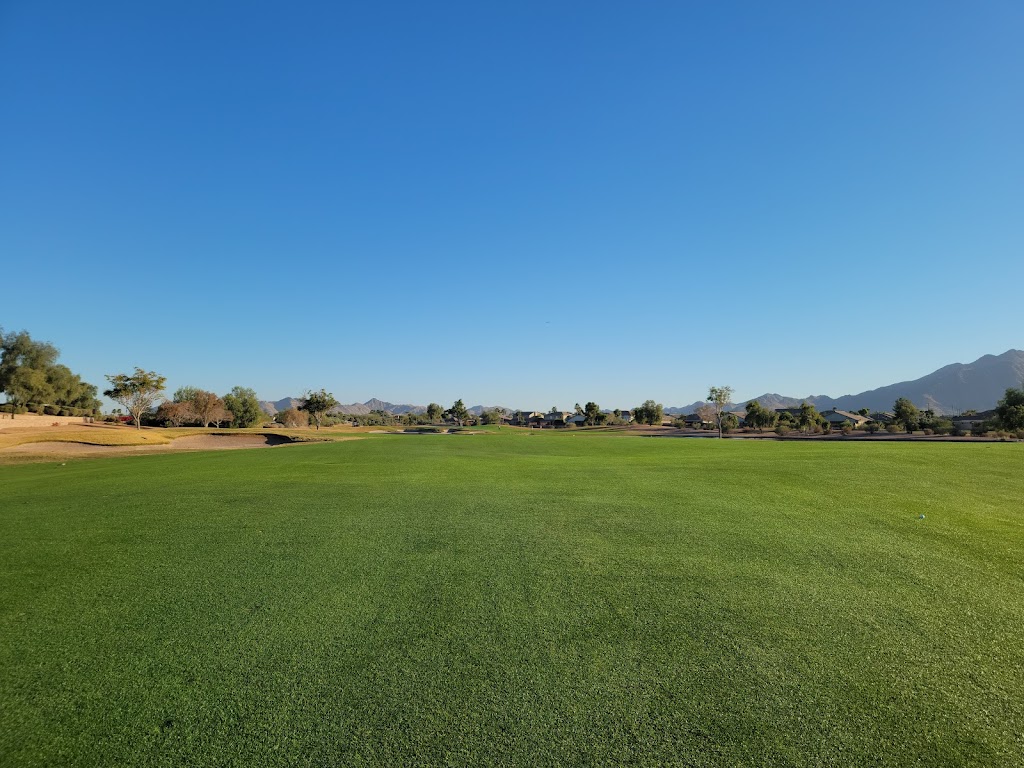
[(516, 599)]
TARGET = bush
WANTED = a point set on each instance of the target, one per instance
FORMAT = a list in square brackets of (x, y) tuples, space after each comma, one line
[(892, 429), (928, 431), (292, 417), (847, 428), (51, 410), (782, 430)]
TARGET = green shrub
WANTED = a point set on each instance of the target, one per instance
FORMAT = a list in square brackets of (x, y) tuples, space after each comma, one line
[(892, 429), (782, 430)]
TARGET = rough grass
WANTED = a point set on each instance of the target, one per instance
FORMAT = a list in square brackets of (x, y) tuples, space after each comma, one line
[(516, 599)]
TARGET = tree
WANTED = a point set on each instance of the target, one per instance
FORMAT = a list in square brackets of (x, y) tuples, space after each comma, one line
[(174, 413), (906, 413), (201, 407), (707, 414), (759, 418), (24, 364), (1011, 409), (66, 389), (719, 398), (753, 418), (491, 417), (593, 416), (579, 409), (221, 415), (244, 406), (434, 413), (458, 412), (137, 393), (317, 404), (185, 394), (809, 417), (649, 413), (207, 407)]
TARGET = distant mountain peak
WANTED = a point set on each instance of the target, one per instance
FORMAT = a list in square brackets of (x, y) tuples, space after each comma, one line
[(950, 389)]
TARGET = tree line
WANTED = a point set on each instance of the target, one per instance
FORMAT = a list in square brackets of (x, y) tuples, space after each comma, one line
[(139, 392), (32, 378)]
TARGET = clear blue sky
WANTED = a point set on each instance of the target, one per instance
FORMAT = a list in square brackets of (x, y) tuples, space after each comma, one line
[(530, 204)]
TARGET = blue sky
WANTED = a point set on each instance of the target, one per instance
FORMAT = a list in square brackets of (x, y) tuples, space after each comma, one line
[(530, 204)]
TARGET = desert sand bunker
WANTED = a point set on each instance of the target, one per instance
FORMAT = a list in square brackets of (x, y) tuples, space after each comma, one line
[(188, 443), (222, 442)]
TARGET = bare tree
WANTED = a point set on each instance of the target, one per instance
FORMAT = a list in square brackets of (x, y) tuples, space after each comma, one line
[(175, 413), (207, 407), (221, 414), (706, 413), (293, 417)]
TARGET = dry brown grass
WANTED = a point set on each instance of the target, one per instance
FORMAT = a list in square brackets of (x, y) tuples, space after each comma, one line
[(90, 434)]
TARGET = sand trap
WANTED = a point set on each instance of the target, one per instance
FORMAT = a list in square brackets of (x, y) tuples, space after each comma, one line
[(222, 442), (188, 443)]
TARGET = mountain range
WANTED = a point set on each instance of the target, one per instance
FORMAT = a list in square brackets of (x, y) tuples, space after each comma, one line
[(950, 389), (356, 409)]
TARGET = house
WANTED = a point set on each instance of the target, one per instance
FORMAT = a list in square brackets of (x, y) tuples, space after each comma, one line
[(526, 418), (556, 418), (968, 422), (578, 419), (694, 421), (837, 418)]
